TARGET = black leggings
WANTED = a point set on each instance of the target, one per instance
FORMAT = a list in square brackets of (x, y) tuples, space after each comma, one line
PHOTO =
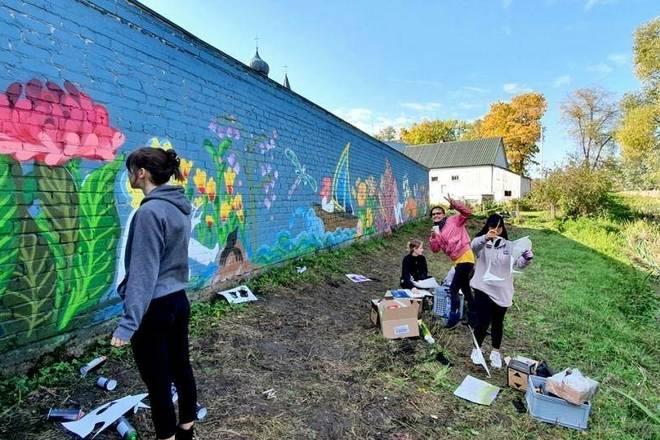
[(160, 348), (488, 313), (461, 281)]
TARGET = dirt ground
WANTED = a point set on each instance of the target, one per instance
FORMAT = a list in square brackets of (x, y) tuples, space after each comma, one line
[(332, 374)]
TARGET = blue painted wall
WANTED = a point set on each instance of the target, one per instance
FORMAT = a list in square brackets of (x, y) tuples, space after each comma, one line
[(271, 175)]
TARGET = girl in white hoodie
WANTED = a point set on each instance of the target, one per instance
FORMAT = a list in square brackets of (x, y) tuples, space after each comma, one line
[(493, 283)]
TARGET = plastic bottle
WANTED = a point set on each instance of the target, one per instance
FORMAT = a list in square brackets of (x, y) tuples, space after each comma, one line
[(126, 430), (426, 333)]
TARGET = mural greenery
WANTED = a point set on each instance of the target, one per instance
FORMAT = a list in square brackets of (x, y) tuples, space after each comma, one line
[(61, 239), (57, 224)]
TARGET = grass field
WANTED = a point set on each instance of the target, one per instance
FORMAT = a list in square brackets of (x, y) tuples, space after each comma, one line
[(590, 300)]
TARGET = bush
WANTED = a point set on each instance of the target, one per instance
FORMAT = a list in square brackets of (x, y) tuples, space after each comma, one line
[(575, 190)]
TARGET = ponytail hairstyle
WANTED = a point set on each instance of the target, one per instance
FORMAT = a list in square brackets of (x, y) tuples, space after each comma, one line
[(494, 221), (414, 244), (161, 164)]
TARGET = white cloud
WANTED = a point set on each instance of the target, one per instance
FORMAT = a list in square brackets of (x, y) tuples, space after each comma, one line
[(619, 58), (589, 4), (513, 88), (506, 3), (421, 106), (563, 80), (476, 89), (369, 122), (601, 68), (507, 30)]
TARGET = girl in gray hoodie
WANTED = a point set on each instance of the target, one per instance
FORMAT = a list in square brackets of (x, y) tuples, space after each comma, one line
[(493, 283), (156, 309)]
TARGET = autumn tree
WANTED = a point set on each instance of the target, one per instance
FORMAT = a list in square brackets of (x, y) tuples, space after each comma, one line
[(519, 124), (386, 134), (431, 132), (638, 132), (590, 116)]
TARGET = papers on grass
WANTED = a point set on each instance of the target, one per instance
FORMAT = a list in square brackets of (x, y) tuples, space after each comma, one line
[(238, 295), (477, 391), (428, 283), (105, 415), (357, 278)]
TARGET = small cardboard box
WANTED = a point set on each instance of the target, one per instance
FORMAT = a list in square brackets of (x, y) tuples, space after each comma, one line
[(554, 410), (517, 374), (398, 318)]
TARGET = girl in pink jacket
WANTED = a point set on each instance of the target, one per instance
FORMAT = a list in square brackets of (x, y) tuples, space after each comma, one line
[(450, 236)]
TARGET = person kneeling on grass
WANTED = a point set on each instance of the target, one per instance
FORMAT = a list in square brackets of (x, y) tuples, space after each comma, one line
[(493, 283), (413, 266), (450, 236)]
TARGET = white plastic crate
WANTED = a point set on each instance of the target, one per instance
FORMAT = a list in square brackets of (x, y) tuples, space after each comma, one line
[(554, 410)]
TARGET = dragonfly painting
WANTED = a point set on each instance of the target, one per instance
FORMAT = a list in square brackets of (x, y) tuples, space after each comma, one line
[(301, 175)]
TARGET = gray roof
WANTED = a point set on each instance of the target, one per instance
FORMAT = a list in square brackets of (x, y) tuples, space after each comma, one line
[(489, 151), (398, 146)]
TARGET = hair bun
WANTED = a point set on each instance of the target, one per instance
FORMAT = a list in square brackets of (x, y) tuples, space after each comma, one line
[(173, 158)]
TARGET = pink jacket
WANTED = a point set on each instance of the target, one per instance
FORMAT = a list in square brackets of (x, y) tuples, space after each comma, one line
[(453, 238)]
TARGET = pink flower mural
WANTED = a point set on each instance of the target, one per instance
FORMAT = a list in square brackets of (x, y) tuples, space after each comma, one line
[(54, 125)]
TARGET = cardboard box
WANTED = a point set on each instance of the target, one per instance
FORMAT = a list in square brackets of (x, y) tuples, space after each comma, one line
[(517, 374), (554, 410), (397, 318), (373, 315)]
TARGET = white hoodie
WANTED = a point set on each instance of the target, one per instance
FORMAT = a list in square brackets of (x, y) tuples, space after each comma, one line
[(492, 270)]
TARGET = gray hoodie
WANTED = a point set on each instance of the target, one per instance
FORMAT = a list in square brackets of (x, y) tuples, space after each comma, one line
[(156, 255)]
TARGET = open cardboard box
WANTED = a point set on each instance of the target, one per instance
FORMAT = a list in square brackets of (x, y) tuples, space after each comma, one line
[(397, 318)]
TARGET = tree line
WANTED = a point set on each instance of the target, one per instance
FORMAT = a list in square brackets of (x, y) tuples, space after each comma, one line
[(620, 139)]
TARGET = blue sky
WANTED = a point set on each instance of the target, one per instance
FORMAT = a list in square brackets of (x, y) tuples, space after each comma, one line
[(379, 63)]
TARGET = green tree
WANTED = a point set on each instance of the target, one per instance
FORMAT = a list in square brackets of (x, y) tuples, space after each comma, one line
[(590, 115), (519, 124), (431, 132), (386, 134), (638, 132)]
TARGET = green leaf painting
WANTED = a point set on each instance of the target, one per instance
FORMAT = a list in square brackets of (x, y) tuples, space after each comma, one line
[(94, 258), (8, 218)]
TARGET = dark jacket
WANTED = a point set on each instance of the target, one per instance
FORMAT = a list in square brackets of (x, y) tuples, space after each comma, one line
[(156, 255), (413, 269)]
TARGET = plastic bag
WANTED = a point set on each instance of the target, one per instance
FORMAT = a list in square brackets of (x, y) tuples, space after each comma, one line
[(572, 386)]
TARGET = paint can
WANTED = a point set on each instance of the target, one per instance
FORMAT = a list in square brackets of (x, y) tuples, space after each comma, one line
[(92, 364), (125, 429), (106, 384), (64, 414), (200, 409), (201, 412)]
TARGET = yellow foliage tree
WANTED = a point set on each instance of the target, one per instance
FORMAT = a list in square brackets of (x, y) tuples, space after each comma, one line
[(431, 132), (519, 124)]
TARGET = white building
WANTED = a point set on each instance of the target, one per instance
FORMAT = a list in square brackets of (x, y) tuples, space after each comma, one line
[(471, 170)]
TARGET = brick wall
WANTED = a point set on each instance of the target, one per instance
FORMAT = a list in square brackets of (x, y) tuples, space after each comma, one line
[(271, 175)]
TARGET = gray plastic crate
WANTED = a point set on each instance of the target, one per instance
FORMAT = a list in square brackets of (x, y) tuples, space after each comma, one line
[(553, 409), (442, 302)]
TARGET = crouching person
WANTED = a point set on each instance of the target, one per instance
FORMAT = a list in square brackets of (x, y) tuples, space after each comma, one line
[(493, 283)]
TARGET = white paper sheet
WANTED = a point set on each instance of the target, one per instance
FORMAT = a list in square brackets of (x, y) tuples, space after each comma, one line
[(428, 283), (477, 391), (357, 278), (107, 414)]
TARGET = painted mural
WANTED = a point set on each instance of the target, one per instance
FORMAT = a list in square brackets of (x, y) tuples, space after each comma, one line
[(58, 162), (65, 203)]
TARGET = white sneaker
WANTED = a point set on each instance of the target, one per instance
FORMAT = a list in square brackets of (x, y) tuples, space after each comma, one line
[(495, 359), (475, 357)]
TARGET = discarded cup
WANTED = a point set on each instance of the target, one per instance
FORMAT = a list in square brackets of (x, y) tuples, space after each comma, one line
[(64, 414), (126, 430), (106, 384), (92, 364)]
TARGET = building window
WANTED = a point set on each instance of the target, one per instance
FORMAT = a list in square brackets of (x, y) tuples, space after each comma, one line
[(507, 193), (454, 177), (434, 179)]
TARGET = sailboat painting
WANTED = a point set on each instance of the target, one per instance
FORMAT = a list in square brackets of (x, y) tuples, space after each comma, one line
[(341, 184), (336, 208)]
